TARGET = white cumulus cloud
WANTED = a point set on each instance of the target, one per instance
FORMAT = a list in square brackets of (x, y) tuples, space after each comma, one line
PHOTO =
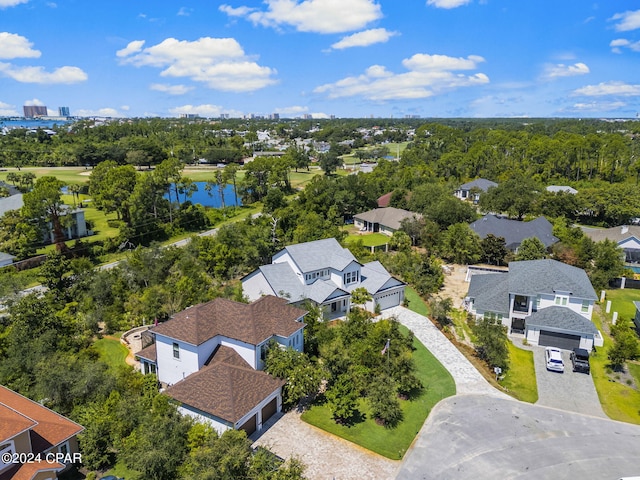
[(63, 75), (7, 110), (171, 89), (617, 45), (609, 88), (427, 75), (219, 63), (100, 112), (447, 3), (204, 110), (16, 46), (596, 106), (562, 70), (626, 21), (11, 3), (292, 111), (364, 39), (318, 16)]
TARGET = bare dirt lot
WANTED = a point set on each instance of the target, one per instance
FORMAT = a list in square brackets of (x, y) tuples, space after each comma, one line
[(454, 285)]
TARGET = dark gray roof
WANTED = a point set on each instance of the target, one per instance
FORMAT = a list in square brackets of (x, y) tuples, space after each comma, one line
[(514, 231), (480, 183), (561, 318), (533, 277), (637, 304), (490, 292)]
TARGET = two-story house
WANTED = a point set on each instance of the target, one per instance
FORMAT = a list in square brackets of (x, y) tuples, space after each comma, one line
[(210, 357), (31, 431), (325, 273), (549, 301)]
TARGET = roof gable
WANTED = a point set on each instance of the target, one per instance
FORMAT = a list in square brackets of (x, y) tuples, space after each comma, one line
[(250, 323), (389, 217), (532, 277), (51, 428), (227, 388), (319, 254), (514, 231)]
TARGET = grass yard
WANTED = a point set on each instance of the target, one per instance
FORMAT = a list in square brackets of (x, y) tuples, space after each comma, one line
[(416, 303), (369, 239), (622, 302), (393, 443), (619, 401), (111, 351), (520, 379)]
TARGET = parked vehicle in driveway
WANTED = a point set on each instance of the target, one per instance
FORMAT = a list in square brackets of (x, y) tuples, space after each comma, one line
[(554, 359), (580, 360)]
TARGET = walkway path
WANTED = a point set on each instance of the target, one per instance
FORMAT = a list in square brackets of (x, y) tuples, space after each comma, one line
[(468, 379)]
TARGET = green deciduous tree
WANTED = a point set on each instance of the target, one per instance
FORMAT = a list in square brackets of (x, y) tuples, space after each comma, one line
[(531, 249)]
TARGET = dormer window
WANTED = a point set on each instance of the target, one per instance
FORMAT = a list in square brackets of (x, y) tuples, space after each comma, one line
[(351, 277)]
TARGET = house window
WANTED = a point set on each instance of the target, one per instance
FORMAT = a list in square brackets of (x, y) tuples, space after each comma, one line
[(350, 277), (585, 306), (537, 302), (176, 350), (562, 301), (64, 448), (263, 351), (4, 449)]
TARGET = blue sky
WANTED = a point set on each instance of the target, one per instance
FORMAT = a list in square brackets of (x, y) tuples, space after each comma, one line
[(348, 58)]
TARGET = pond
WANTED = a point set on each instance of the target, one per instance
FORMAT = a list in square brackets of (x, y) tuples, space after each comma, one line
[(207, 199)]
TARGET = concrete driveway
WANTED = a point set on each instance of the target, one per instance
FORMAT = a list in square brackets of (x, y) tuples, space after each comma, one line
[(480, 437), (570, 390)]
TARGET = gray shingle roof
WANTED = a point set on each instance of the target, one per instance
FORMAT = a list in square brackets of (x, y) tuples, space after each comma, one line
[(480, 183), (14, 202), (514, 231), (319, 254), (616, 234), (532, 277), (389, 217), (561, 188), (374, 277), (561, 318), (490, 292), (286, 284), (637, 304)]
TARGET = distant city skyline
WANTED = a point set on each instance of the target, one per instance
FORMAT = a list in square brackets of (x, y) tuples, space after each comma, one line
[(321, 58)]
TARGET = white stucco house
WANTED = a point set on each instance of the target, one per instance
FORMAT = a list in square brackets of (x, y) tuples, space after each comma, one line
[(210, 358), (549, 301), (326, 273)]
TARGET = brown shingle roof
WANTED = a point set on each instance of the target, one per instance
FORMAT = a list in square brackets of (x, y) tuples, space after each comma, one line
[(250, 323), (51, 429), (228, 388), (27, 471), (148, 353), (12, 423)]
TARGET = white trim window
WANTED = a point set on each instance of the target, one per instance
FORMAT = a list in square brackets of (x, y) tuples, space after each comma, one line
[(6, 448), (176, 351), (350, 277), (561, 300)]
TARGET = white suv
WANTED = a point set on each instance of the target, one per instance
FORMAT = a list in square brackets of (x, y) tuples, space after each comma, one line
[(554, 359)]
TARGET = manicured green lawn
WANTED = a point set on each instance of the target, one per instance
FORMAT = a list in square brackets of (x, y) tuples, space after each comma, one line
[(520, 379), (111, 351), (369, 239), (619, 401), (622, 302), (416, 303), (393, 443)]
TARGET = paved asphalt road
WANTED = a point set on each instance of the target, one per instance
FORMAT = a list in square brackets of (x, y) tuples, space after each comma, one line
[(481, 437)]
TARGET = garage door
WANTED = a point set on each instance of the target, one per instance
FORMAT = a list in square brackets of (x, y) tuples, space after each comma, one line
[(389, 300), (559, 340), (269, 409), (249, 426)]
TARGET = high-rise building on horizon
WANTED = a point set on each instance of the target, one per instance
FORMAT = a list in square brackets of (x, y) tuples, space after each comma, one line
[(32, 111), (63, 111)]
